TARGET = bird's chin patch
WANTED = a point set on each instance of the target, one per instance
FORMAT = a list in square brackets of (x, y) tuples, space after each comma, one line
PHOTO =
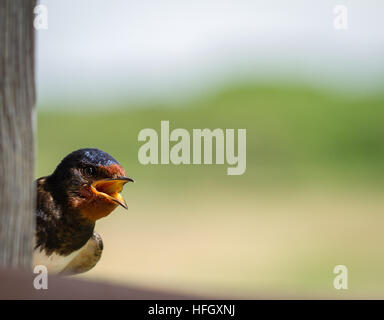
[(97, 208)]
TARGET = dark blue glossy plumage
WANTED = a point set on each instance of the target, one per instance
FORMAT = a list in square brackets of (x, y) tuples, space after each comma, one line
[(88, 156)]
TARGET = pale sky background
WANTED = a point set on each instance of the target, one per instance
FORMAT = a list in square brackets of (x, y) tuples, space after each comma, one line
[(100, 50)]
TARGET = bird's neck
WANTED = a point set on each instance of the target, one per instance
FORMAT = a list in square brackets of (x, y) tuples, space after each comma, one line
[(65, 233), (59, 228)]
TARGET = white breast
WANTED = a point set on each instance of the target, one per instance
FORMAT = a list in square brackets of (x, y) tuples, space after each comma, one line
[(54, 263)]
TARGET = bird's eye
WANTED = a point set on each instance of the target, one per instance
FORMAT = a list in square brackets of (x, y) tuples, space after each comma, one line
[(89, 170)]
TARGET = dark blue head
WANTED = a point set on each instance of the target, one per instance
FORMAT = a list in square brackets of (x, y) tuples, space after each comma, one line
[(87, 157)]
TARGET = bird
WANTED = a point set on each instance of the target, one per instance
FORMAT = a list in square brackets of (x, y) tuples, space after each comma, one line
[(83, 188)]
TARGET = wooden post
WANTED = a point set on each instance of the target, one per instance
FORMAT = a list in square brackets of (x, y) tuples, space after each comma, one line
[(17, 99)]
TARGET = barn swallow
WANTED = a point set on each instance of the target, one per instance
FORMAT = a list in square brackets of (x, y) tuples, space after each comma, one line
[(84, 188)]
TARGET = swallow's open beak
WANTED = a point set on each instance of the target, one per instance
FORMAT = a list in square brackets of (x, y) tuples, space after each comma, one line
[(111, 188)]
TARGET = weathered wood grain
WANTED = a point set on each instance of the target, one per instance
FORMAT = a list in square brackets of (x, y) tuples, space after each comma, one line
[(17, 99)]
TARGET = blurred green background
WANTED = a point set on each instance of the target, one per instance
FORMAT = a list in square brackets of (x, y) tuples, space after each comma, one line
[(311, 197), (310, 96)]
